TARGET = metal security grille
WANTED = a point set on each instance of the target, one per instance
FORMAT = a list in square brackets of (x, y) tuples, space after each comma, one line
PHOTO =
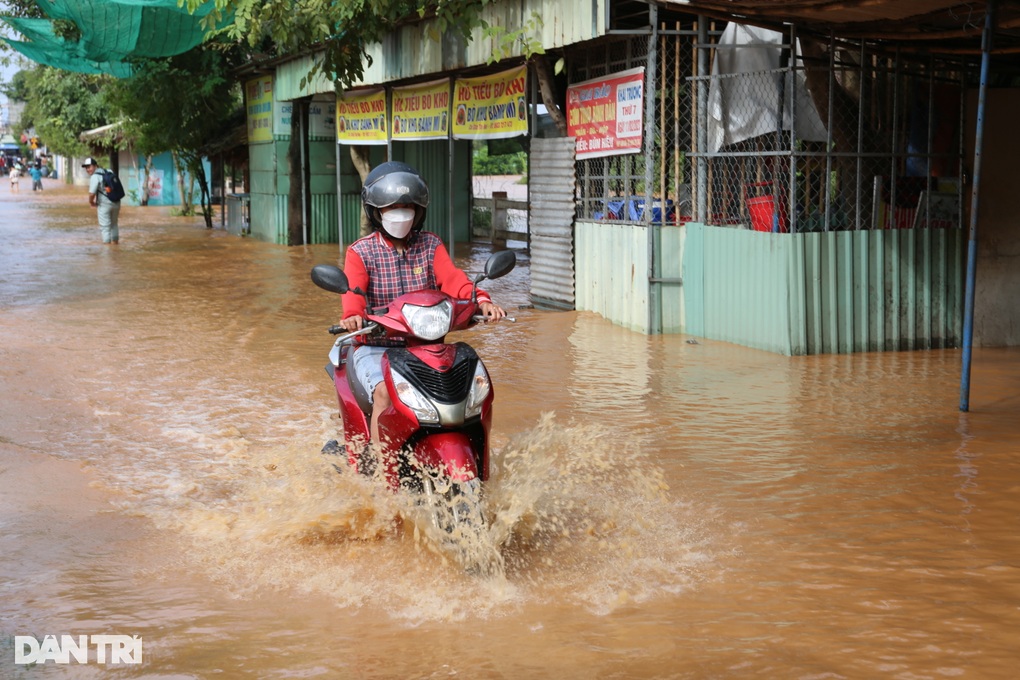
[(619, 187), (827, 137), (750, 133)]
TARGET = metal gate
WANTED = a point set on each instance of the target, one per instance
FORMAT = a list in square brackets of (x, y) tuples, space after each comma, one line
[(551, 196)]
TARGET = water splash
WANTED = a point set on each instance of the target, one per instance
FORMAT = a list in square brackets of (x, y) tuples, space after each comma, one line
[(574, 513)]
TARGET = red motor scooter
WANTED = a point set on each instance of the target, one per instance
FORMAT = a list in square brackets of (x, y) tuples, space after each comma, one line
[(435, 435)]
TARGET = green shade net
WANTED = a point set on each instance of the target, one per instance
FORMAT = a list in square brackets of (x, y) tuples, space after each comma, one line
[(113, 32)]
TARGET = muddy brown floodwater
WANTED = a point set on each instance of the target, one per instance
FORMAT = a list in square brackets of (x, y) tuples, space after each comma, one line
[(670, 509)]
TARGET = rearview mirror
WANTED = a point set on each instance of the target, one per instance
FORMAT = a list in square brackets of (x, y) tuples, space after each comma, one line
[(330, 277), (500, 264)]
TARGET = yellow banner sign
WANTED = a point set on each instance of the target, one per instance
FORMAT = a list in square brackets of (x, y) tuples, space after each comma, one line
[(259, 96), (361, 117), (491, 107), (422, 111)]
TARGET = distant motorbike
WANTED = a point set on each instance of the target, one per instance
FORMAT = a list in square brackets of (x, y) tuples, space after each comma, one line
[(435, 435)]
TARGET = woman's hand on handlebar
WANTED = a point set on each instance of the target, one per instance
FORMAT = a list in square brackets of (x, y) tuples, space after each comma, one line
[(352, 323), (491, 312)]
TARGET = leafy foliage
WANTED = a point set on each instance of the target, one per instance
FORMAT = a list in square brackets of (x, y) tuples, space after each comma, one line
[(61, 105), (180, 105), (177, 104), (343, 29), (503, 164)]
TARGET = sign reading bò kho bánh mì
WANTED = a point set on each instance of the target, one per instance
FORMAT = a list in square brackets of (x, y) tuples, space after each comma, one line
[(421, 111), (606, 115), (258, 94), (361, 117), (491, 107)]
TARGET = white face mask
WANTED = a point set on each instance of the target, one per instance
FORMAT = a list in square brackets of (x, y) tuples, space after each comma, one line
[(397, 221)]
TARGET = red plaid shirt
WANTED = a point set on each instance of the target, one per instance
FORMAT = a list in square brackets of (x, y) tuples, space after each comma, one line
[(374, 265)]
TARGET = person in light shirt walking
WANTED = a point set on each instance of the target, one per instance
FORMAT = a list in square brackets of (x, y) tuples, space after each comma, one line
[(108, 211)]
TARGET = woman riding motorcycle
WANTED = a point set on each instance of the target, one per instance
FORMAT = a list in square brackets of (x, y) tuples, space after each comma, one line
[(397, 257)]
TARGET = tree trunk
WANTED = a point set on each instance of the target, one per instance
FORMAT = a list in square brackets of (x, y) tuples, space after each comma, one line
[(186, 206), (359, 156), (199, 173), (547, 86), (147, 176)]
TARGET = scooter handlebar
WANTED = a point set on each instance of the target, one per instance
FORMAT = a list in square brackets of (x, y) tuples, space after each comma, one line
[(337, 330)]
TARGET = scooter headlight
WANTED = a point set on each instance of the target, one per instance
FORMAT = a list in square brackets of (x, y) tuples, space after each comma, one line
[(429, 323), (480, 388), (414, 400)]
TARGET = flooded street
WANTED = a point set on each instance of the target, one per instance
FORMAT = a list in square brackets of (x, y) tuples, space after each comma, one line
[(667, 508)]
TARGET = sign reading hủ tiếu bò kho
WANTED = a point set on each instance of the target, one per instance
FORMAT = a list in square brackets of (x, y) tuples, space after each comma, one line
[(361, 117), (491, 107), (421, 111)]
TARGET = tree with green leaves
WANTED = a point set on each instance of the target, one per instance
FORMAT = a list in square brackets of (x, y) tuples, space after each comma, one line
[(179, 105), (61, 105), (341, 31)]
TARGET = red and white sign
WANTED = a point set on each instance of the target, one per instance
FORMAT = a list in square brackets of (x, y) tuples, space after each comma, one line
[(606, 115)]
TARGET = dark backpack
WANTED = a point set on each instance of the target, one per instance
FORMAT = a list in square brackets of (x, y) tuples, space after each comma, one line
[(112, 188)]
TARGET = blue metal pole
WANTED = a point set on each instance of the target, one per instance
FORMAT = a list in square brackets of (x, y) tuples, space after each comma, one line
[(968, 309)]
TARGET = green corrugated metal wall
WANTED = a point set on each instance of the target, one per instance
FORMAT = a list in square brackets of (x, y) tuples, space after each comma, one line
[(747, 299), (672, 243), (883, 290), (817, 293), (270, 184), (352, 217), (265, 186), (611, 272), (822, 293), (322, 223), (432, 159)]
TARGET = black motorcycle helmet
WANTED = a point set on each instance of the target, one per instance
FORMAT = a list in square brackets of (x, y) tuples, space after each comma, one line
[(391, 183)]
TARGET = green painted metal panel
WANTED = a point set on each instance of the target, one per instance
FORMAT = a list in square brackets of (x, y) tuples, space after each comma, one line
[(287, 80), (322, 168), (747, 290), (862, 294), (832, 292), (280, 214), (611, 272), (694, 278), (352, 217), (432, 159), (282, 167), (410, 51), (797, 302), (896, 290), (262, 168), (876, 291), (271, 222), (324, 223), (845, 263), (672, 297)]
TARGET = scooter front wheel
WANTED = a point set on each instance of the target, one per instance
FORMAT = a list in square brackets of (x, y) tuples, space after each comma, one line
[(455, 510)]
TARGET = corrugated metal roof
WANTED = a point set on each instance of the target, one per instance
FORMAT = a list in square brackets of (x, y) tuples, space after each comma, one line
[(941, 26)]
